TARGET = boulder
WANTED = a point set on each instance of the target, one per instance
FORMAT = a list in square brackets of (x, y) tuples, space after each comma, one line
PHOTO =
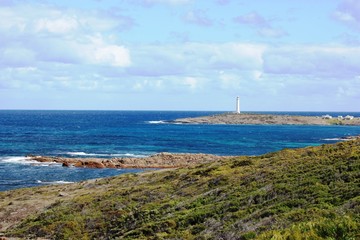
[(94, 164), (79, 164), (66, 164)]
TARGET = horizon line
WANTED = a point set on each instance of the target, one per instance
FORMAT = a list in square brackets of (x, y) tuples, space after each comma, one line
[(178, 110)]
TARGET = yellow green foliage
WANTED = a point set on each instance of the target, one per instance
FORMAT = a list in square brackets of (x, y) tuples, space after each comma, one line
[(309, 193)]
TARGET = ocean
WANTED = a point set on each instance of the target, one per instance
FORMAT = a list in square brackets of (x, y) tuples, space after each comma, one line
[(108, 134)]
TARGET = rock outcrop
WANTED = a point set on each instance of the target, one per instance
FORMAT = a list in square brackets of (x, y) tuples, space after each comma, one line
[(160, 160)]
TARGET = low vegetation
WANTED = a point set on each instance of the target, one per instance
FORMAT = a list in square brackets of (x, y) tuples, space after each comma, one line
[(309, 193)]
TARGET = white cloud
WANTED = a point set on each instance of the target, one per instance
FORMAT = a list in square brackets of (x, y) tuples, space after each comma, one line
[(12, 21), (80, 51), (60, 25), (252, 19), (16, 56), (348, 12), (319, 61), (113, 55), (34, 34), (263, 26), (191, 82), (193, 58), (198, 17), (100, 52)]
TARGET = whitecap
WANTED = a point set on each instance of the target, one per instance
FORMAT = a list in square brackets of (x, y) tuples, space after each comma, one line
[(47, 164), (106, 154), (81, 154), (27, 161), (54, 182), (156, 122), (134, 155), (128, 155), (18, 160), (339, 139), (333, 139)]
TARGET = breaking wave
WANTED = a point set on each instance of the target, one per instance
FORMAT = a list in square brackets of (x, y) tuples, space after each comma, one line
[(26, 161), (333, 139), (157, 122), (83, 154), (54, 182), (17, 160)]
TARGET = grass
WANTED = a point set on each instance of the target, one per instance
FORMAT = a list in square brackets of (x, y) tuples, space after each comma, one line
[(309, 193)]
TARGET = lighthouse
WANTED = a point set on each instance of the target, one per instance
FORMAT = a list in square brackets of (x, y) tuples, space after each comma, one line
[(238, 105)]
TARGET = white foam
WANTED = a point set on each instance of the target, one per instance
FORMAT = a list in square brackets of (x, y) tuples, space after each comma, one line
[(156, 122), (332, 139), (134, 155), (47, 164), (27, 161), (18, 160), (338, 139), (81, 154), (105, 154), (54, 182)]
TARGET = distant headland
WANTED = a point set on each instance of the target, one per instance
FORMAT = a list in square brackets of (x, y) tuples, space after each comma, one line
[(270, 119)]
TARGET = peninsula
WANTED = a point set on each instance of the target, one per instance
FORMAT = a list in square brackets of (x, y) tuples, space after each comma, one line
[(268, 119)]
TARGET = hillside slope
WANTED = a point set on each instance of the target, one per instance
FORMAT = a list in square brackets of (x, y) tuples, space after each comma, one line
[(311, 193)]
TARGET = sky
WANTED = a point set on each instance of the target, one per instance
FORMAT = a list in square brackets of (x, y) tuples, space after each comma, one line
[(277, 55)]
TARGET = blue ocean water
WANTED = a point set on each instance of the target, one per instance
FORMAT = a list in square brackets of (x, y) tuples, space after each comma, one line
[(134, 134)]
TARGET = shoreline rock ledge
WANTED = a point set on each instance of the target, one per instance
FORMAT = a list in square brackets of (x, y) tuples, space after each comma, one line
[(160, 160), (265, 119)]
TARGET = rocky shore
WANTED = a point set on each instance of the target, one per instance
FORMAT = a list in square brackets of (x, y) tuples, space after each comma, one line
[(209, 200), (266, 119), (160, 160)]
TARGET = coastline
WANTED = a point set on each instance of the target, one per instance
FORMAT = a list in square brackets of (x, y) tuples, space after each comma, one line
[(160, 160), (259, 183), (266, 119)]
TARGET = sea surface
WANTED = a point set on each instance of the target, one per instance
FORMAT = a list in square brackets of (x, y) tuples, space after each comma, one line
[(108, 134)]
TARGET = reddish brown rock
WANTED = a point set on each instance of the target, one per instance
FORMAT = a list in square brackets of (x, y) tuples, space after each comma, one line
[(94, 164), (66, 164), (109, 164), (160, 160), (79, 164)]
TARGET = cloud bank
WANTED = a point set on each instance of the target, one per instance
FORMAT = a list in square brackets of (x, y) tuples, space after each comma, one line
[(66, 53)]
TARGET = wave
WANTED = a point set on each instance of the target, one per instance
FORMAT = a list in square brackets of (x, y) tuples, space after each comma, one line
[(133, 155), (27, 161), (106, 154), (82, 154), (54, 182), (17, 160), (333, 139), (338, 139), (157, 122)]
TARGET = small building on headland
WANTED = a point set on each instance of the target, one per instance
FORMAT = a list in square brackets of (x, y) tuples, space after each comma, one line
[(348, 117), (327, 116)]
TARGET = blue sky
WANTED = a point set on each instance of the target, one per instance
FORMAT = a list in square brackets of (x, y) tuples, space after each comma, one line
[(276, 55)]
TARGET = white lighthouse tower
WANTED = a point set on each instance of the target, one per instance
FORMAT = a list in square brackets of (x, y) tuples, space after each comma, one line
[(238, 105)]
